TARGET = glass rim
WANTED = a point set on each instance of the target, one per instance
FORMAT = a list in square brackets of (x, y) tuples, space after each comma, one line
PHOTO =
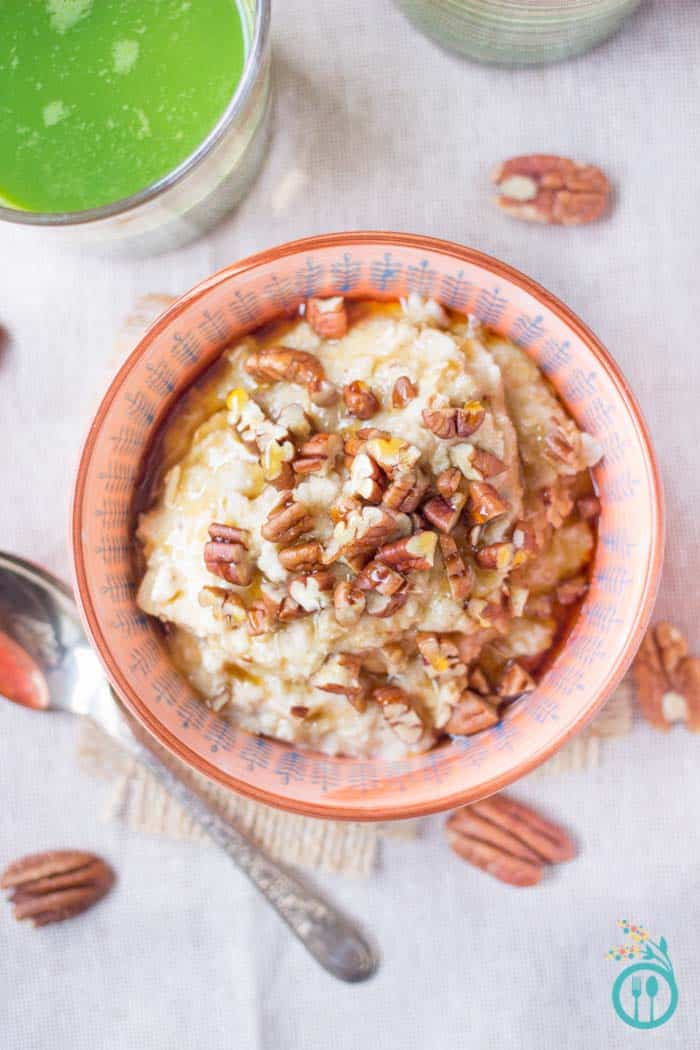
[(154, 189)]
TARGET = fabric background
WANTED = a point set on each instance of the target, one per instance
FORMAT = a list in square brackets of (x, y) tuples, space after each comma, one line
[(375, 127)]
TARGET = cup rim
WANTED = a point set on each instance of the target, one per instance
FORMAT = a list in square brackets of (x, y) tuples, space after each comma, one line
[(237, 102), (440, 803)]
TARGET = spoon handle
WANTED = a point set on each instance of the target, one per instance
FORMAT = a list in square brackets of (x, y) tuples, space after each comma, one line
[(333, 940)]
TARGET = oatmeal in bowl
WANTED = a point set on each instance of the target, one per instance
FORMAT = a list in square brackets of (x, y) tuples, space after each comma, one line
[(369, 527)]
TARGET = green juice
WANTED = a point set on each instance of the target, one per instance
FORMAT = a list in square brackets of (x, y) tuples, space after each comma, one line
[(100, 98)]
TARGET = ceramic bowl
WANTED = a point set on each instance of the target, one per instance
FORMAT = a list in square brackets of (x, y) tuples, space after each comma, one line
[(183, 342)]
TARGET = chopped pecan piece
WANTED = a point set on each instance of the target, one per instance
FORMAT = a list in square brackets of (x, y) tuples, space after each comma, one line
[(448, 482), (471, 714), (349, 604), (393, 454), (260, 618), (411, 553), (572, 590), (441, 421), (359, 400), (299, 711), (356, 440), (226, 605), (440, 655), (399, 713), (367, 478), (444, 513), (460, 576), (312, 591), (486, 463), (508, 840), (484, 502), (525, 537), (384, 605), (56, 885), (288, 521), (550, 189), (667, 680), (327, 317), (303, 557), (319, 452), (226, 555), (496, 556), (364, 531), (378, 577), (515, 681), (340, 673), (276, 363), (285, 480), (448, 422), (290, 609), (403, 392), (406, 490)]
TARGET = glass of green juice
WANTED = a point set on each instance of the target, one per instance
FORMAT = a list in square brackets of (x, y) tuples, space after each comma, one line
[(131, 124)]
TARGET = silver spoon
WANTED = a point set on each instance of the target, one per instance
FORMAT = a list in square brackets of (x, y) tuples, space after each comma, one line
[(46, 661)]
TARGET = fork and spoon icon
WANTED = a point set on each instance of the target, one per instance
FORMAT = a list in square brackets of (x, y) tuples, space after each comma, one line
[(652, 990)]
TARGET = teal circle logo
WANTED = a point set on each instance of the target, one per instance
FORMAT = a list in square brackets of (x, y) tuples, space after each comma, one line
[(645, 994)]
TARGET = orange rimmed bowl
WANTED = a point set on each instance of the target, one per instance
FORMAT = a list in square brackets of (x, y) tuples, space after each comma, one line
[(183, 342)]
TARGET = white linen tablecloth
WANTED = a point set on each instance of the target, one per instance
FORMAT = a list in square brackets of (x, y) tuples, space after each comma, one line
[(376, 127)]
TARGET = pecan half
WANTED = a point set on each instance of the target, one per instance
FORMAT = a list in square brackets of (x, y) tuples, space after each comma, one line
[(359, 400), (349, 604), (276, 363), (444, 513), (226, 555), (328, 317), (508, 840), (302, 557), (49, 887), (403, 392), (549, 189), (471, 714), (406, 490), (460, 575), (484, 502), (667, 680), (288, 521), (515, 681), (399, 713), (411, 553)]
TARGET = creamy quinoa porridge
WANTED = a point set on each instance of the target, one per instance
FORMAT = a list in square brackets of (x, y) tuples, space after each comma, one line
[(369, 528)]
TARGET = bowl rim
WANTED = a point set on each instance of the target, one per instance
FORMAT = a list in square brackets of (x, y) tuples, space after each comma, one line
[(349, 811)]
